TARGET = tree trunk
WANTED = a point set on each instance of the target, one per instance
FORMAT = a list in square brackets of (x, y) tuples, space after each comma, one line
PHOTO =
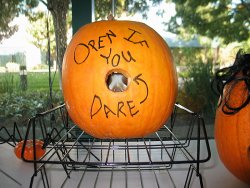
[(59, 10), (216, 65)]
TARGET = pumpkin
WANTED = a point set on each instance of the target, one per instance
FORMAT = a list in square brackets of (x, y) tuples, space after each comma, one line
[(118, 79), (232, 122), (29, 149)]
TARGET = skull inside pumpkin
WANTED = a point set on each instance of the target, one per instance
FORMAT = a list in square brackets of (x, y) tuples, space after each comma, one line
[(118, 79)]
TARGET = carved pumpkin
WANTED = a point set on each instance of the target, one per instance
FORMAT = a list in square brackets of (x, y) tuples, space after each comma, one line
[(232, 122), (118, 79), (29, 149)]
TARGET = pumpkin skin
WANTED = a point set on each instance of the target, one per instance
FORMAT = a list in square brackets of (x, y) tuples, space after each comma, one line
[(134, 50), (232, 133), (28, 151)]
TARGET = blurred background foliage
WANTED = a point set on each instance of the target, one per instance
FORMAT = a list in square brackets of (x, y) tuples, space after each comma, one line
[(195, 91)]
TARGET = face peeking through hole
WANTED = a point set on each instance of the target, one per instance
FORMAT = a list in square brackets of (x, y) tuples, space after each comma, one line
[(117, 82)]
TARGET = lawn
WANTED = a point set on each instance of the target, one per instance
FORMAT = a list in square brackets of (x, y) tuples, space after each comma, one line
[(40, 81), (36, 81)]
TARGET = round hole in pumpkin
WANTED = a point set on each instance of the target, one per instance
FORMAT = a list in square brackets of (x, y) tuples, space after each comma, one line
[(117, 81)]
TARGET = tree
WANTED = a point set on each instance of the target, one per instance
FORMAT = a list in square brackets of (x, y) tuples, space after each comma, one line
[(225, 19), (104, 7), (9, 10), (40, 23), (41, 29), (59, 10)]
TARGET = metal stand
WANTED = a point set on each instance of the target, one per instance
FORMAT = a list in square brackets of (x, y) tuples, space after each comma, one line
[(179, 142)]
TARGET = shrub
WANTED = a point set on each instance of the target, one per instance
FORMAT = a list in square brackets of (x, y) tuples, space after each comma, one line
[(196, 93), (20, 106)]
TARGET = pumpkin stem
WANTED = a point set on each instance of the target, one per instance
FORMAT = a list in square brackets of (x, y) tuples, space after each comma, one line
[(111, 17)]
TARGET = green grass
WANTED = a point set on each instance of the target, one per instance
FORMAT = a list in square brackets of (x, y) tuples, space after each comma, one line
[(40, 81), (36, 81)]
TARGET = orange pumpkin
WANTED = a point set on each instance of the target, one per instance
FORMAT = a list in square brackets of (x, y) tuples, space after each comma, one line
[(232, 127), (118, 79), (29, 149)]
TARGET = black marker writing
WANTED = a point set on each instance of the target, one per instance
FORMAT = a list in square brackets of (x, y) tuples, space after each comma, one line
[(85, 57), (130, 38), (114, 59), (122, 108), (137, 80), (84, 49)]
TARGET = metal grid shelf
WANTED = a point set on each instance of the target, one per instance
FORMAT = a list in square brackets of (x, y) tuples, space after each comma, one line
[(178, 142)]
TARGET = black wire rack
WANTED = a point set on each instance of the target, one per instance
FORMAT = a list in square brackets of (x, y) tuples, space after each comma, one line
[(182, 141), (10, 137)]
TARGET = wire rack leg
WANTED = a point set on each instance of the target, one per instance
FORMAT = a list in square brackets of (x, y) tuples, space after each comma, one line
[(44, 178), (190, 176)]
